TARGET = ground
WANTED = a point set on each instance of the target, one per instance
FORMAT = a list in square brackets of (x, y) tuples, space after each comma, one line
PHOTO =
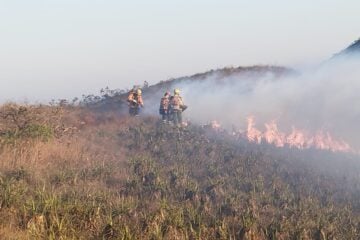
[(69, 172)]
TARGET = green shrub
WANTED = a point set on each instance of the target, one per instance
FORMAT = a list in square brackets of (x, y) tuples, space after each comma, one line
[(31, 131), (38, 131)]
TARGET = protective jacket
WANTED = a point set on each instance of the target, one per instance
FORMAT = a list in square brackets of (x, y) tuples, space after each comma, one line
[(164, 103), (135, 100), (177, 103)]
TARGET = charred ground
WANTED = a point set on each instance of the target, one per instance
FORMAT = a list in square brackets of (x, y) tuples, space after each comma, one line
[(70, 172)]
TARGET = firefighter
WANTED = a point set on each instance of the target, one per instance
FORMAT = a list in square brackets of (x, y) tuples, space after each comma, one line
[(177, 106), (164, 107), (135, 102), (170, 110)]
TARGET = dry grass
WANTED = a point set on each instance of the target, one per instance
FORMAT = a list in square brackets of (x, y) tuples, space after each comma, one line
[(101, 176)]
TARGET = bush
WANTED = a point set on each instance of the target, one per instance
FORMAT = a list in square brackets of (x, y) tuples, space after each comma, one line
[(38, 131), (32, 131)]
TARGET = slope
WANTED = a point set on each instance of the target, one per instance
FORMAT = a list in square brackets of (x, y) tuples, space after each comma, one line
[(115, 100), (351, 51), (69, 172)]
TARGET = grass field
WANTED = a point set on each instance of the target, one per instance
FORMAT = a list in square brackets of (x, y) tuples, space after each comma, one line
[(68, 172)]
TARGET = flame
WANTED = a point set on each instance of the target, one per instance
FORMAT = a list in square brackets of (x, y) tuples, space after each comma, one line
[(252, 133), (215, 125), (297, 138), (273, 136)]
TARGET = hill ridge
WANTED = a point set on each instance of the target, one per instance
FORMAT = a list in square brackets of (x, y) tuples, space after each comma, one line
[(352, 49)]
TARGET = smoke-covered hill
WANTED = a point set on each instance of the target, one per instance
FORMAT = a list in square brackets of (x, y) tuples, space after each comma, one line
[(352, 50), (354, 47), (115, 99), (314, 102), (317, 103)]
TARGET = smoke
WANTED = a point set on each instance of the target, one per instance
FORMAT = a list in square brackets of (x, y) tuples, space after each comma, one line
[(325, 99)]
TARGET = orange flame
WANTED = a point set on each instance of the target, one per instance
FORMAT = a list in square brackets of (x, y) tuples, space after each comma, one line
[(297, 138), (215, 125), (252, 133)]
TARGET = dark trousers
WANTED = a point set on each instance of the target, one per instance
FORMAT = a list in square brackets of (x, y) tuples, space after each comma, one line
[(177, 117), (134, 111), (165, 117), (164, 114)]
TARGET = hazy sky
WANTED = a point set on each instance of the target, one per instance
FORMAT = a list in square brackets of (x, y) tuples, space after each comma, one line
[(64, 48)]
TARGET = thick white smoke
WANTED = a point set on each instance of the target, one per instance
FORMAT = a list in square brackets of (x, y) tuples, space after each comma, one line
[(325, 99)]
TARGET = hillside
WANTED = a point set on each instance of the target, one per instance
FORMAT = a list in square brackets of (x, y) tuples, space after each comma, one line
[(352, 50), (69, 172), (114, 99), (354, 47)]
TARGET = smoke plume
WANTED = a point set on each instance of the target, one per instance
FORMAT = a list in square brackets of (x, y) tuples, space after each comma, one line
[(325, 99)]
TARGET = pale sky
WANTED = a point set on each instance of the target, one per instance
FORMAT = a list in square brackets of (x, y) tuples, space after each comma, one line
[(66, 48)]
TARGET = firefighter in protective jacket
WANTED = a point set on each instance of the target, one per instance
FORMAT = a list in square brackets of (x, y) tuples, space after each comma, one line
[(164, 109), (135, 102), (177, 106)]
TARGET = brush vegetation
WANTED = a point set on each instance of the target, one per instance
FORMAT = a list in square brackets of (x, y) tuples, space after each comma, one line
[(68, 172)]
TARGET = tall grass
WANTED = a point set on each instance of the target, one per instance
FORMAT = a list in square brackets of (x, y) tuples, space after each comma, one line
[(101, 176)]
